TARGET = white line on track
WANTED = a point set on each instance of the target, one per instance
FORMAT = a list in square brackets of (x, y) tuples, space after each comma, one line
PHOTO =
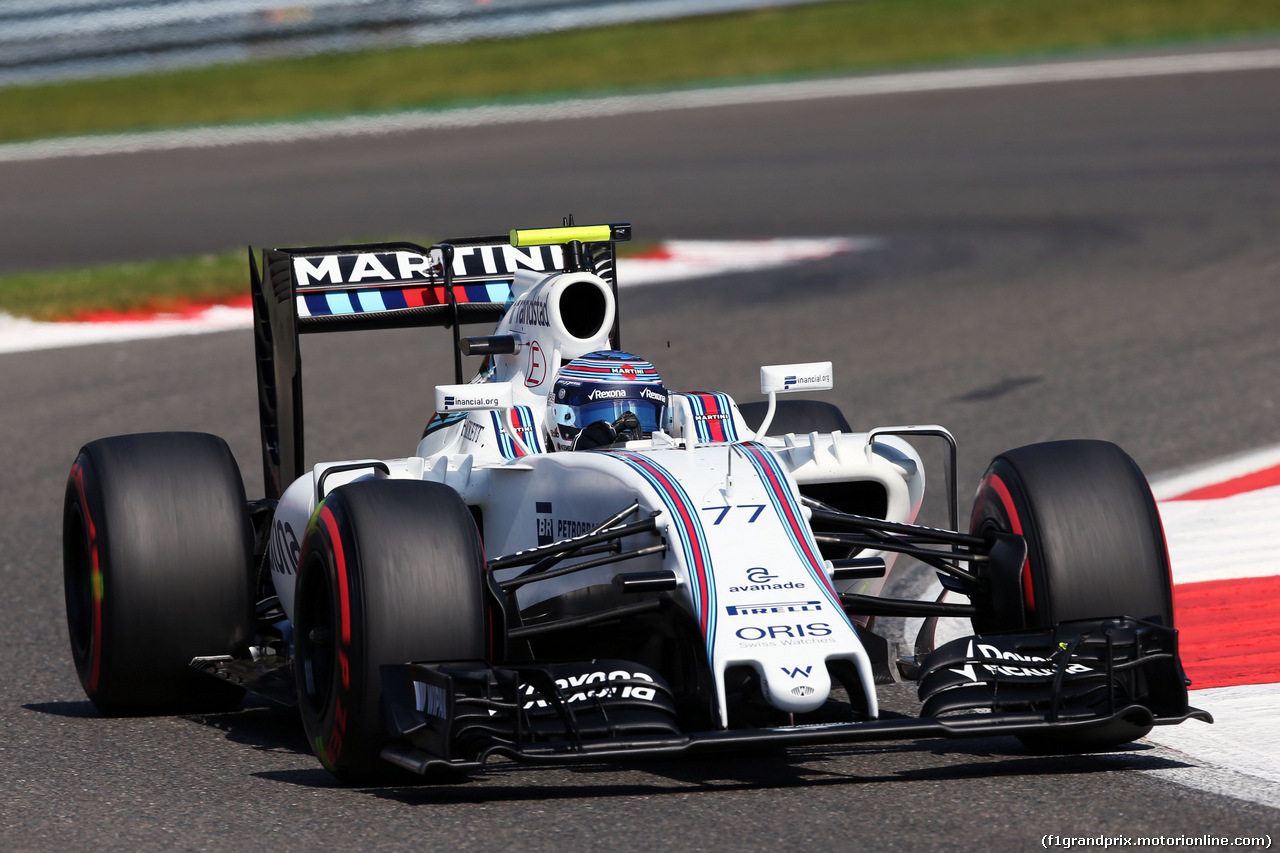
[(845, 87)]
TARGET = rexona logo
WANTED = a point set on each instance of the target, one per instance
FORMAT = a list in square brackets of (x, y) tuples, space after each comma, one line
[(760, 578), (607, 395), (595, 685), (780, 607), (650, 394)]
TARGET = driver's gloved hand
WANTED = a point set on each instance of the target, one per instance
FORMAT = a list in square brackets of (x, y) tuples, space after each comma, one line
[(627, 427), (598, 434)]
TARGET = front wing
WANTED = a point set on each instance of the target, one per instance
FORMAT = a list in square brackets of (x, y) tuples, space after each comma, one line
[(1072, 681)]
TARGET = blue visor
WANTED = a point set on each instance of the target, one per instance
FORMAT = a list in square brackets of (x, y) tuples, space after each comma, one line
[(647, 411)]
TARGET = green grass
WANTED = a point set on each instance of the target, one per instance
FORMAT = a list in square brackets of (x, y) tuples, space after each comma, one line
[(157, 285), (824, 38)]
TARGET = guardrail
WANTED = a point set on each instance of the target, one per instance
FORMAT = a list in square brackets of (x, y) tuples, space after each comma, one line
[(57, 39)]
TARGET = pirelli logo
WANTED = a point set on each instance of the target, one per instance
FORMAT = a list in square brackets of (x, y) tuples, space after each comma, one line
[(780, 607)]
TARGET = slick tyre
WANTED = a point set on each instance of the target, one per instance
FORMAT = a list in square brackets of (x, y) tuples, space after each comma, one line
[(796, 416), (1095, 549), (157, 550), (391, 572)]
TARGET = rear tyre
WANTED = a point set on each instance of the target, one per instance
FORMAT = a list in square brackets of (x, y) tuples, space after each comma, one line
[(157, 550), (391, 572), (797, 416), (1095, 549)]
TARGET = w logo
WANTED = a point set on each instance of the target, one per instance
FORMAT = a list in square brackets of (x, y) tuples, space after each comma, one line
[(798, 672)]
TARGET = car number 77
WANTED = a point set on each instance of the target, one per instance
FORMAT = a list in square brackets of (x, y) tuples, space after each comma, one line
[(724, 510)]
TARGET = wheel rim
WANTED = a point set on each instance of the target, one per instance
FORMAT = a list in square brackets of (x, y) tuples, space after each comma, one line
[(78, 583), (315, 639)]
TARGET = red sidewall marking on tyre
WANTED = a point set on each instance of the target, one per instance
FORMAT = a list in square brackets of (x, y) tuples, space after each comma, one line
[(95, 585), (1002, 491), (331, 748)]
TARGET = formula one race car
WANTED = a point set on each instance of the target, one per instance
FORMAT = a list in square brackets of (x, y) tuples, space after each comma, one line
[(576, 563)]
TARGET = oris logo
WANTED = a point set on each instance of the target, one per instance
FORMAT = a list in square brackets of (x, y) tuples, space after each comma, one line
[(802, 690)]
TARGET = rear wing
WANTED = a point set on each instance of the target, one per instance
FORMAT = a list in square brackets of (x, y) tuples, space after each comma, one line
[(389, 286)]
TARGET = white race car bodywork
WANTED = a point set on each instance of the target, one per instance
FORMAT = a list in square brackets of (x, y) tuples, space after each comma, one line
[(737, 538)]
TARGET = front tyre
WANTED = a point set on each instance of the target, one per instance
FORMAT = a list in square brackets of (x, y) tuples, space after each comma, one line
[(391, 572), (157, 550), (1095, 550)]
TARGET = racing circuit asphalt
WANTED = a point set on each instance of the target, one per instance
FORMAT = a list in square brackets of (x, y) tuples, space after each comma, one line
[(1090, 259)]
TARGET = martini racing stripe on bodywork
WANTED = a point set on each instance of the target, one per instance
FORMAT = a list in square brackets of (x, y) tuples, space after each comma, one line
[(712, 416), (693, 540), (788, 509), (522, 418)]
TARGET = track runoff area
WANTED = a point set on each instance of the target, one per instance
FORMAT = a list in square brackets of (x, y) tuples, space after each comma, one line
[(1220, 522)]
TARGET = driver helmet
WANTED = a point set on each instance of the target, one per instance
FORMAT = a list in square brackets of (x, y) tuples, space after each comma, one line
[(604, 386)]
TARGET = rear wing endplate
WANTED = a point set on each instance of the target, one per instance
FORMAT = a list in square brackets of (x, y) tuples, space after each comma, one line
[(390, 286)]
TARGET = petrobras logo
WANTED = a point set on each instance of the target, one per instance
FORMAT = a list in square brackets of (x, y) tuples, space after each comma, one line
[(780, 607), (472, 432), (542, 514), (606, 395)]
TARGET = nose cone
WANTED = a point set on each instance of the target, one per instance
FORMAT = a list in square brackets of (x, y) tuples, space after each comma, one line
[(796, 688)]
